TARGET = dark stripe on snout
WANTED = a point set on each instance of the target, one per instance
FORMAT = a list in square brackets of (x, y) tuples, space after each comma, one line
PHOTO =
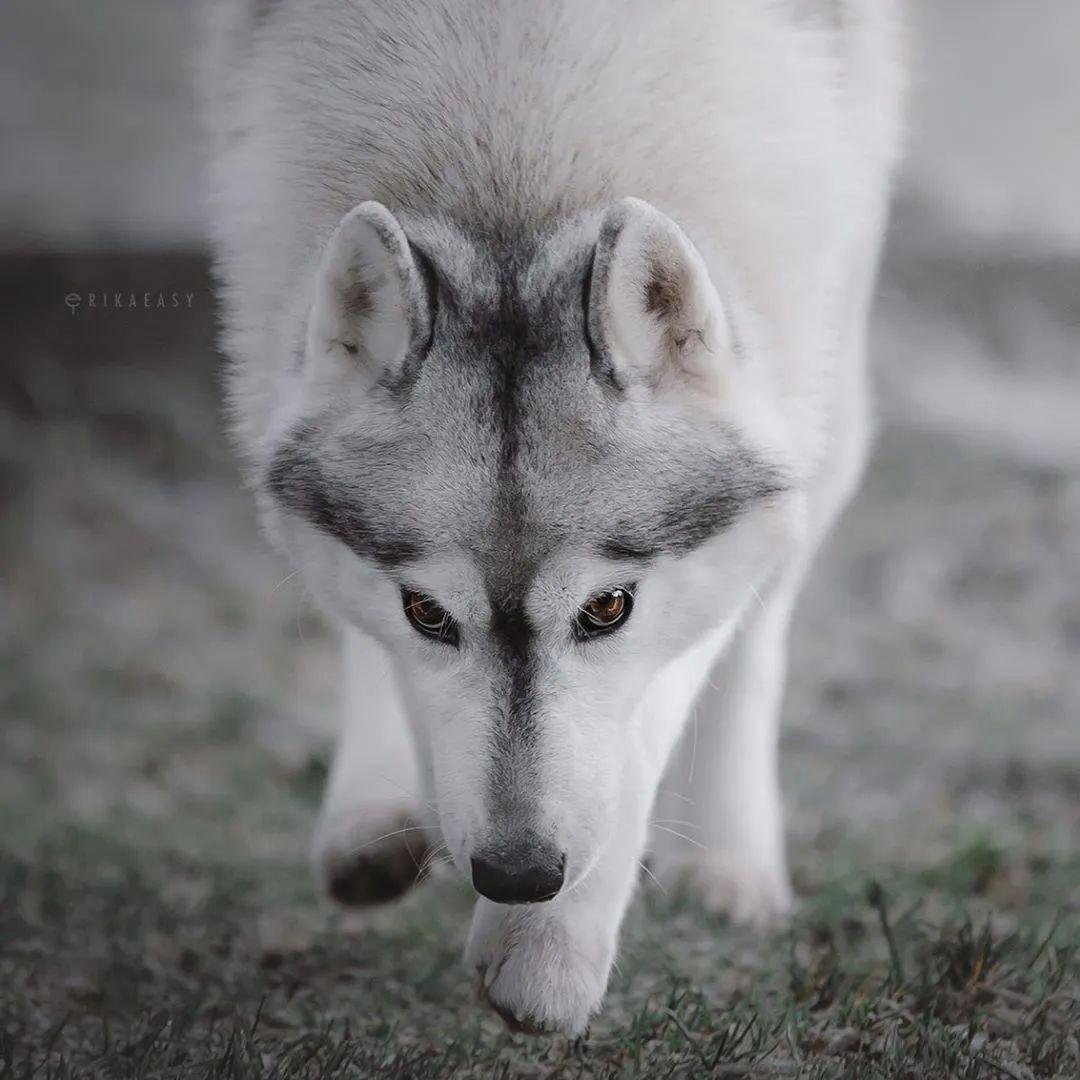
[(513, 338), (296, 481), (513, 636), (513, 736)]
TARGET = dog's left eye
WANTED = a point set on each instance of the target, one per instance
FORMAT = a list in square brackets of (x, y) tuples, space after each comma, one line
[(429, 617), (604, 612)]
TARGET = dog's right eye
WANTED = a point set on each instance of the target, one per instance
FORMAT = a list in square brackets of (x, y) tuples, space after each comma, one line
[(429, 617), (603, 612)]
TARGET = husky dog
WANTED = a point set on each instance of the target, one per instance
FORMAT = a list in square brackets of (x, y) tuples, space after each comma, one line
[(547, 328)]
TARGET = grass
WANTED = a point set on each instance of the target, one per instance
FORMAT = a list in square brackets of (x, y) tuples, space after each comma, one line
[(119, 962)]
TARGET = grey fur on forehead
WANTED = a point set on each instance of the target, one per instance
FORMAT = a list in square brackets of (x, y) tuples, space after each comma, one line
[(505, 445), (479, 263)]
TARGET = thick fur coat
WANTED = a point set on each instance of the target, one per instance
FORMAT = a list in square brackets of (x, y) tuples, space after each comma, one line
[(546, 327)]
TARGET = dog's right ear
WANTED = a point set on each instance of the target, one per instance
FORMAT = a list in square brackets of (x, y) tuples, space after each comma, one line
[(373, 303), (654, 314)]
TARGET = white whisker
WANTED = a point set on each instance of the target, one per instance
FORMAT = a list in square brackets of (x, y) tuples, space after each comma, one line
[(387, 836), (757, 595), (652, 875), (434, 855), (674, 821), (681, 836), (693, 745), (676, 795), (405, 791), (284, 581)]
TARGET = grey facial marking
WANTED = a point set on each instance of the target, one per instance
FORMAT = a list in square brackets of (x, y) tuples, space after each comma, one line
[(508, 339), (513, 635), (523, 333), (695, 513), (297, 482)]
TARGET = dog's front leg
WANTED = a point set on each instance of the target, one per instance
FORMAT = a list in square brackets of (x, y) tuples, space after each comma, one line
[(545, 967), (370, 841), (726, 778)]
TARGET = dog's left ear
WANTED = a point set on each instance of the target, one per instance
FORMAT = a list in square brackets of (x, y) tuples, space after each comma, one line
[(653, 309), (372, 304)]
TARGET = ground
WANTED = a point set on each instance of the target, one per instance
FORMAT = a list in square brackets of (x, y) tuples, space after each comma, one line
[(167, 701)]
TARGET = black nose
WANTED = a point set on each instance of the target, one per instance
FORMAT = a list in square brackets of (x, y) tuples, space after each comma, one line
[(526, 879)]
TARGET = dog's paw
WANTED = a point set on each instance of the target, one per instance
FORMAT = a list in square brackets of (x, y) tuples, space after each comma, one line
[(533, 972), (370, 854), (747, 893)]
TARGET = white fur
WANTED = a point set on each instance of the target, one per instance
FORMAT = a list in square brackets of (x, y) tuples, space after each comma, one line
[(767, 129)]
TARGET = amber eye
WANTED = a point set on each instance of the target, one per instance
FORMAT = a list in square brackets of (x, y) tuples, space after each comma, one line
[(428, 617), (604, 612)]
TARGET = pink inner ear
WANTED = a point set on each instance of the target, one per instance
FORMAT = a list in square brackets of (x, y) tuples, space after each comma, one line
[(669, 298), (356, 298), (664, 291)]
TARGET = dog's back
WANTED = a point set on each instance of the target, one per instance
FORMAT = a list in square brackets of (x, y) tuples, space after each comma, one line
[(765, 127)]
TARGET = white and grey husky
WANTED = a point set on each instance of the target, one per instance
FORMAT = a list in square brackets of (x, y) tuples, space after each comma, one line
[(547, 328)]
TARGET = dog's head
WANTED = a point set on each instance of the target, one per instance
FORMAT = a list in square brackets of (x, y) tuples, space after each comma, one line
[(538, 472)]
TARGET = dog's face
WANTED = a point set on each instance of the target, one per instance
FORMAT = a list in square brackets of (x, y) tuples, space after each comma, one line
[(537, 473)]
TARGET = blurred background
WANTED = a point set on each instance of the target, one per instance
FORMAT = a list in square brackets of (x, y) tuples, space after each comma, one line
[(167, 693)]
